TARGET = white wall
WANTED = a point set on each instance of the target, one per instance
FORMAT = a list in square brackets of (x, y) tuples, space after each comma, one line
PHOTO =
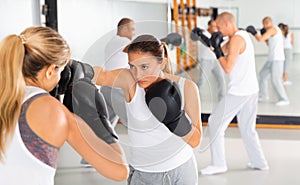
[(252, 12), (88, 25), (15, 16), (82, 22)]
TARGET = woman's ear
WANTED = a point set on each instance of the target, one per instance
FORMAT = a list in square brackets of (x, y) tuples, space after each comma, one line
[(50, 70), (163, 64)]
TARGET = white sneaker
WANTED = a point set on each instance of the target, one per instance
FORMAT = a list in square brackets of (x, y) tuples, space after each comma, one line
[(211, 170), (262, 99), (282, 103), (287, 83), (249, 165)]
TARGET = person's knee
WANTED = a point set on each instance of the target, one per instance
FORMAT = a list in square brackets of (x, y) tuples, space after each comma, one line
[(276, 79), (261, 74), (213, 123)]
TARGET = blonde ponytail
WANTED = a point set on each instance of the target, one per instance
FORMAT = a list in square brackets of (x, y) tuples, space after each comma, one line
[(21, 59), (12, 85)]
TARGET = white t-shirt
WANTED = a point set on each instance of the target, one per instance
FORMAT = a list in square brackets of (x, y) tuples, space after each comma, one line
[(153, 147), (275, 43), (19, 165), (242, 78), (287, 41), (115, 58)]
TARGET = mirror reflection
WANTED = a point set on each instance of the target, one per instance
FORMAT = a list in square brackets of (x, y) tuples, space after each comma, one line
[(156, 24), (278, 85), (95, 33)]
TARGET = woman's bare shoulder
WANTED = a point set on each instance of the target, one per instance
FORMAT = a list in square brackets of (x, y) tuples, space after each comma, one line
[(48, 118)]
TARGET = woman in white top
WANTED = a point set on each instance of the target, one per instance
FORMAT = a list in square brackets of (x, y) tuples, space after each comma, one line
[(33, 124), (288, 43), (158, 156)]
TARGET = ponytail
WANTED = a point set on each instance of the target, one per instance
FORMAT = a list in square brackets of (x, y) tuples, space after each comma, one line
[(21, 59), (12, 85), (168, 66)]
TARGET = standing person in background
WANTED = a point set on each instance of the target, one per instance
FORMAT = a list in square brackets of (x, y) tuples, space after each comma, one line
[(33, 124), (288, 44), (115, 58), (209, 63), (274, 65), (281, 25), (238, 60)]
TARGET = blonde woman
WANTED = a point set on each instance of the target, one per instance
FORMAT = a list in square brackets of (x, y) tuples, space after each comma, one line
[(33, 124)]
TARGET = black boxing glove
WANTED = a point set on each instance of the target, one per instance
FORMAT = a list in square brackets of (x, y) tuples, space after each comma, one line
[(197, 34), (216, 40), (79, 71), (84, 99), (251, 30), (53, 92), (65, 77), (173, 39), (263, 31), (89, 104), (164, 101), (61, 87)]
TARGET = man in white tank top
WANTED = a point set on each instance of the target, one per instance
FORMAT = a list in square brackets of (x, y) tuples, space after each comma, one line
[(274, 65), (240, 100), (209, 64), (115, 58)]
